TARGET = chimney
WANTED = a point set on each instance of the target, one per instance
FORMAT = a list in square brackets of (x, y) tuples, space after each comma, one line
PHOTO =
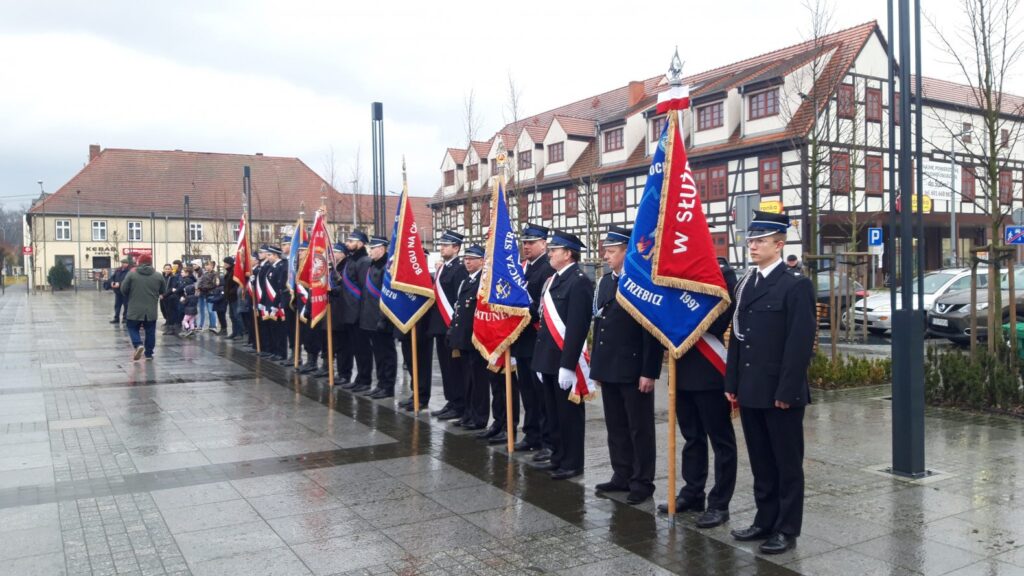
[(636, 92), (94, 151)]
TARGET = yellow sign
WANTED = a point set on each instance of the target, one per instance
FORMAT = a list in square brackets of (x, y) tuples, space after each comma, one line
[(772, 206), (927, 201)]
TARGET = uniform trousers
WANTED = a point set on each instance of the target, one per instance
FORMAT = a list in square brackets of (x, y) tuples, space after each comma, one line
[(363, 351), (451, 376), (344, 356), (475, 387), (424, 358), (385, 357), (279, 337), (629, 417), (528, 388), (498, 402), (246, 314), (706, 415), (775, 446), (265, 338), (289, 316), (567, 425), (311, 342)]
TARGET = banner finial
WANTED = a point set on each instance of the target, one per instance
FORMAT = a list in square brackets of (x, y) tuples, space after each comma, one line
[(675, 70)]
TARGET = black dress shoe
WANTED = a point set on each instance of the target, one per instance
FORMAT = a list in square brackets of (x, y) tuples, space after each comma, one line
[(437, 413), (342, 380), (458, 422), (750, 534), (308, 368), (712, 517), (542, 455), (382, 393), (321, 373), (637, 496), (115, 321), (524, 446), (546, 465), (474, 426), (349, 386), (264, 354), (777, 544), (565, 474), (405, 403), (683, 505), (499, 438), (611, 487), (489, 433), (359, 389), (449, 415)]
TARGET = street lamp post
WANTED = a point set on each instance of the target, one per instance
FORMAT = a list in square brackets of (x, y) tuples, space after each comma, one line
[(953, 235), (78, 236)]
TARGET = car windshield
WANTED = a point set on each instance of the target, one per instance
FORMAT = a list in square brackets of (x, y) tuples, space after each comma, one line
[(1018, 280), (934, 281)]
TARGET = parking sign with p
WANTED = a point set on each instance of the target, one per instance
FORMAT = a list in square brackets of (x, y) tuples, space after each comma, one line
[(874, 236)]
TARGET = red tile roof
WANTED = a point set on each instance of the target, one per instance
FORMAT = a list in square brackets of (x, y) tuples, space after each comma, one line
[(458, 154), (962, 95), (482, 148), (577, 126), (136, 183), (537, 131)]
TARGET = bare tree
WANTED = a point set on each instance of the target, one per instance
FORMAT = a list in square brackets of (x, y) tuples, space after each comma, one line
[(816, 155), (986, 48), (587, 192)]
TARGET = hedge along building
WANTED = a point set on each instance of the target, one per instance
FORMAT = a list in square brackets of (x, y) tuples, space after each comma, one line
[(133, 201), (750, 134)]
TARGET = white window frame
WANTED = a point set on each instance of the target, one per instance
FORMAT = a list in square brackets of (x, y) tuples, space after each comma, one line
[(235, 230), (99, 230), (134, 226), (195, 231), (62, 226)]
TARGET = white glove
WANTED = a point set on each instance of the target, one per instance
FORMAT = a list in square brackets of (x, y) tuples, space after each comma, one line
[(566, 378)]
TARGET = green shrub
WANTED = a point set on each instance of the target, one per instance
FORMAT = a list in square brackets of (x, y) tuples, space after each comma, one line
[(848, 372), (983, 381), (59, 277)]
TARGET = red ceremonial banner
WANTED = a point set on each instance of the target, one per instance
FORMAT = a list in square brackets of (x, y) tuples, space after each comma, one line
[(243, 261), (409, 269), (494, 331), (684, 255), (314, 271)]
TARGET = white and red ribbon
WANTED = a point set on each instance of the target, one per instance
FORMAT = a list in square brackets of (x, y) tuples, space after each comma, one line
[(713, 349), (443, 305), (584, 388)]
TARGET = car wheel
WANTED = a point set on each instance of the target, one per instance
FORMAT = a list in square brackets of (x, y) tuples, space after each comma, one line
[(877, 331)]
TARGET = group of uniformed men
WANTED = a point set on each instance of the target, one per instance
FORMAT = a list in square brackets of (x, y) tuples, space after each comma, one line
[(771, 322)]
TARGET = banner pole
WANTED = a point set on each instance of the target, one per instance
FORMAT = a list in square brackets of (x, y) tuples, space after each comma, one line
[(298, 347), (415, 375), (671, 438), (510, 431), (256, 320), (330, 347)]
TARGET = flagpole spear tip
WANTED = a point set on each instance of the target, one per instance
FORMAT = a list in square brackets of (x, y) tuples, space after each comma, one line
[(675, 70)]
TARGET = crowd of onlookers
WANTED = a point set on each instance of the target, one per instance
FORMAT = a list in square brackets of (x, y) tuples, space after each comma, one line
[(198, 297)]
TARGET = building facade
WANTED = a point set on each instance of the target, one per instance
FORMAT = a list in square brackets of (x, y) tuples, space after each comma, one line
[(179, 205), (787, 131)]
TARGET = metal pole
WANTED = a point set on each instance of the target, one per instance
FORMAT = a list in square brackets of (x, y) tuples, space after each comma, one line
[(952, 203), (78, 237), (908, 320), (188, 232), (918, 157)]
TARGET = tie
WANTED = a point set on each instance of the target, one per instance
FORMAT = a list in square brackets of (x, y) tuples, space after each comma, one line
[(758, 278)]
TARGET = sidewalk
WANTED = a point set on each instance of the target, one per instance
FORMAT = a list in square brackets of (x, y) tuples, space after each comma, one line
[(208, 461)]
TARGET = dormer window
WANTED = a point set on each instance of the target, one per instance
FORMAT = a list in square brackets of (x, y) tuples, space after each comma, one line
[(764, 104), (449, 177), (525, 159), (709, 116), (556, 152), (613, 140), (473, 172)]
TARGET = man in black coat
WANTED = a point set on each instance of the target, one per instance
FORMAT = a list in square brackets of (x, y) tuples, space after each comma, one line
[(704, 414), (536, 428), (375, 325), (276, 301), (772, 342), (472, 365), (448, 277), (352, 278), (114, 285), (265, 301), (568, 297), (424, 356), (626, 362)]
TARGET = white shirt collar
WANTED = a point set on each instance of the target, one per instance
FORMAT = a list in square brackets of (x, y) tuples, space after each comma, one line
[(559, 272), (770, 268), (475, 274)]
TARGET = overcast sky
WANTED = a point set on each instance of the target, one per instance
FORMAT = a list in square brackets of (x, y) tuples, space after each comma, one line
[(297, 78)]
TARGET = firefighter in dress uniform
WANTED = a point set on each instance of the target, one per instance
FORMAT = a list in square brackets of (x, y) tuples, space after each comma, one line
[(424, 355), (353, 275), (471, 364), (448, 276), (537, 270), (375, 325), (264, 302), (772, 343), (568, 295), (290, 302), (276, 299), (626, 362), (705, 415)]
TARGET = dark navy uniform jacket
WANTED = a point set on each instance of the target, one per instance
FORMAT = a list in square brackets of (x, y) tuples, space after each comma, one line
[(572, 293), (460, 334), (354, 267), (370, 317), (694, 372), (452, 274), (772, 341), (623, 350), (537, 274)]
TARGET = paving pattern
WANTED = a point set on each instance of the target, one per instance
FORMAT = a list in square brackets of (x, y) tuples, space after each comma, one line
[(208, 461)]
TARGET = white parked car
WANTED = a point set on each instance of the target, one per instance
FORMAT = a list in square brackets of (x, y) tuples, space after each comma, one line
[(936, 284)]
